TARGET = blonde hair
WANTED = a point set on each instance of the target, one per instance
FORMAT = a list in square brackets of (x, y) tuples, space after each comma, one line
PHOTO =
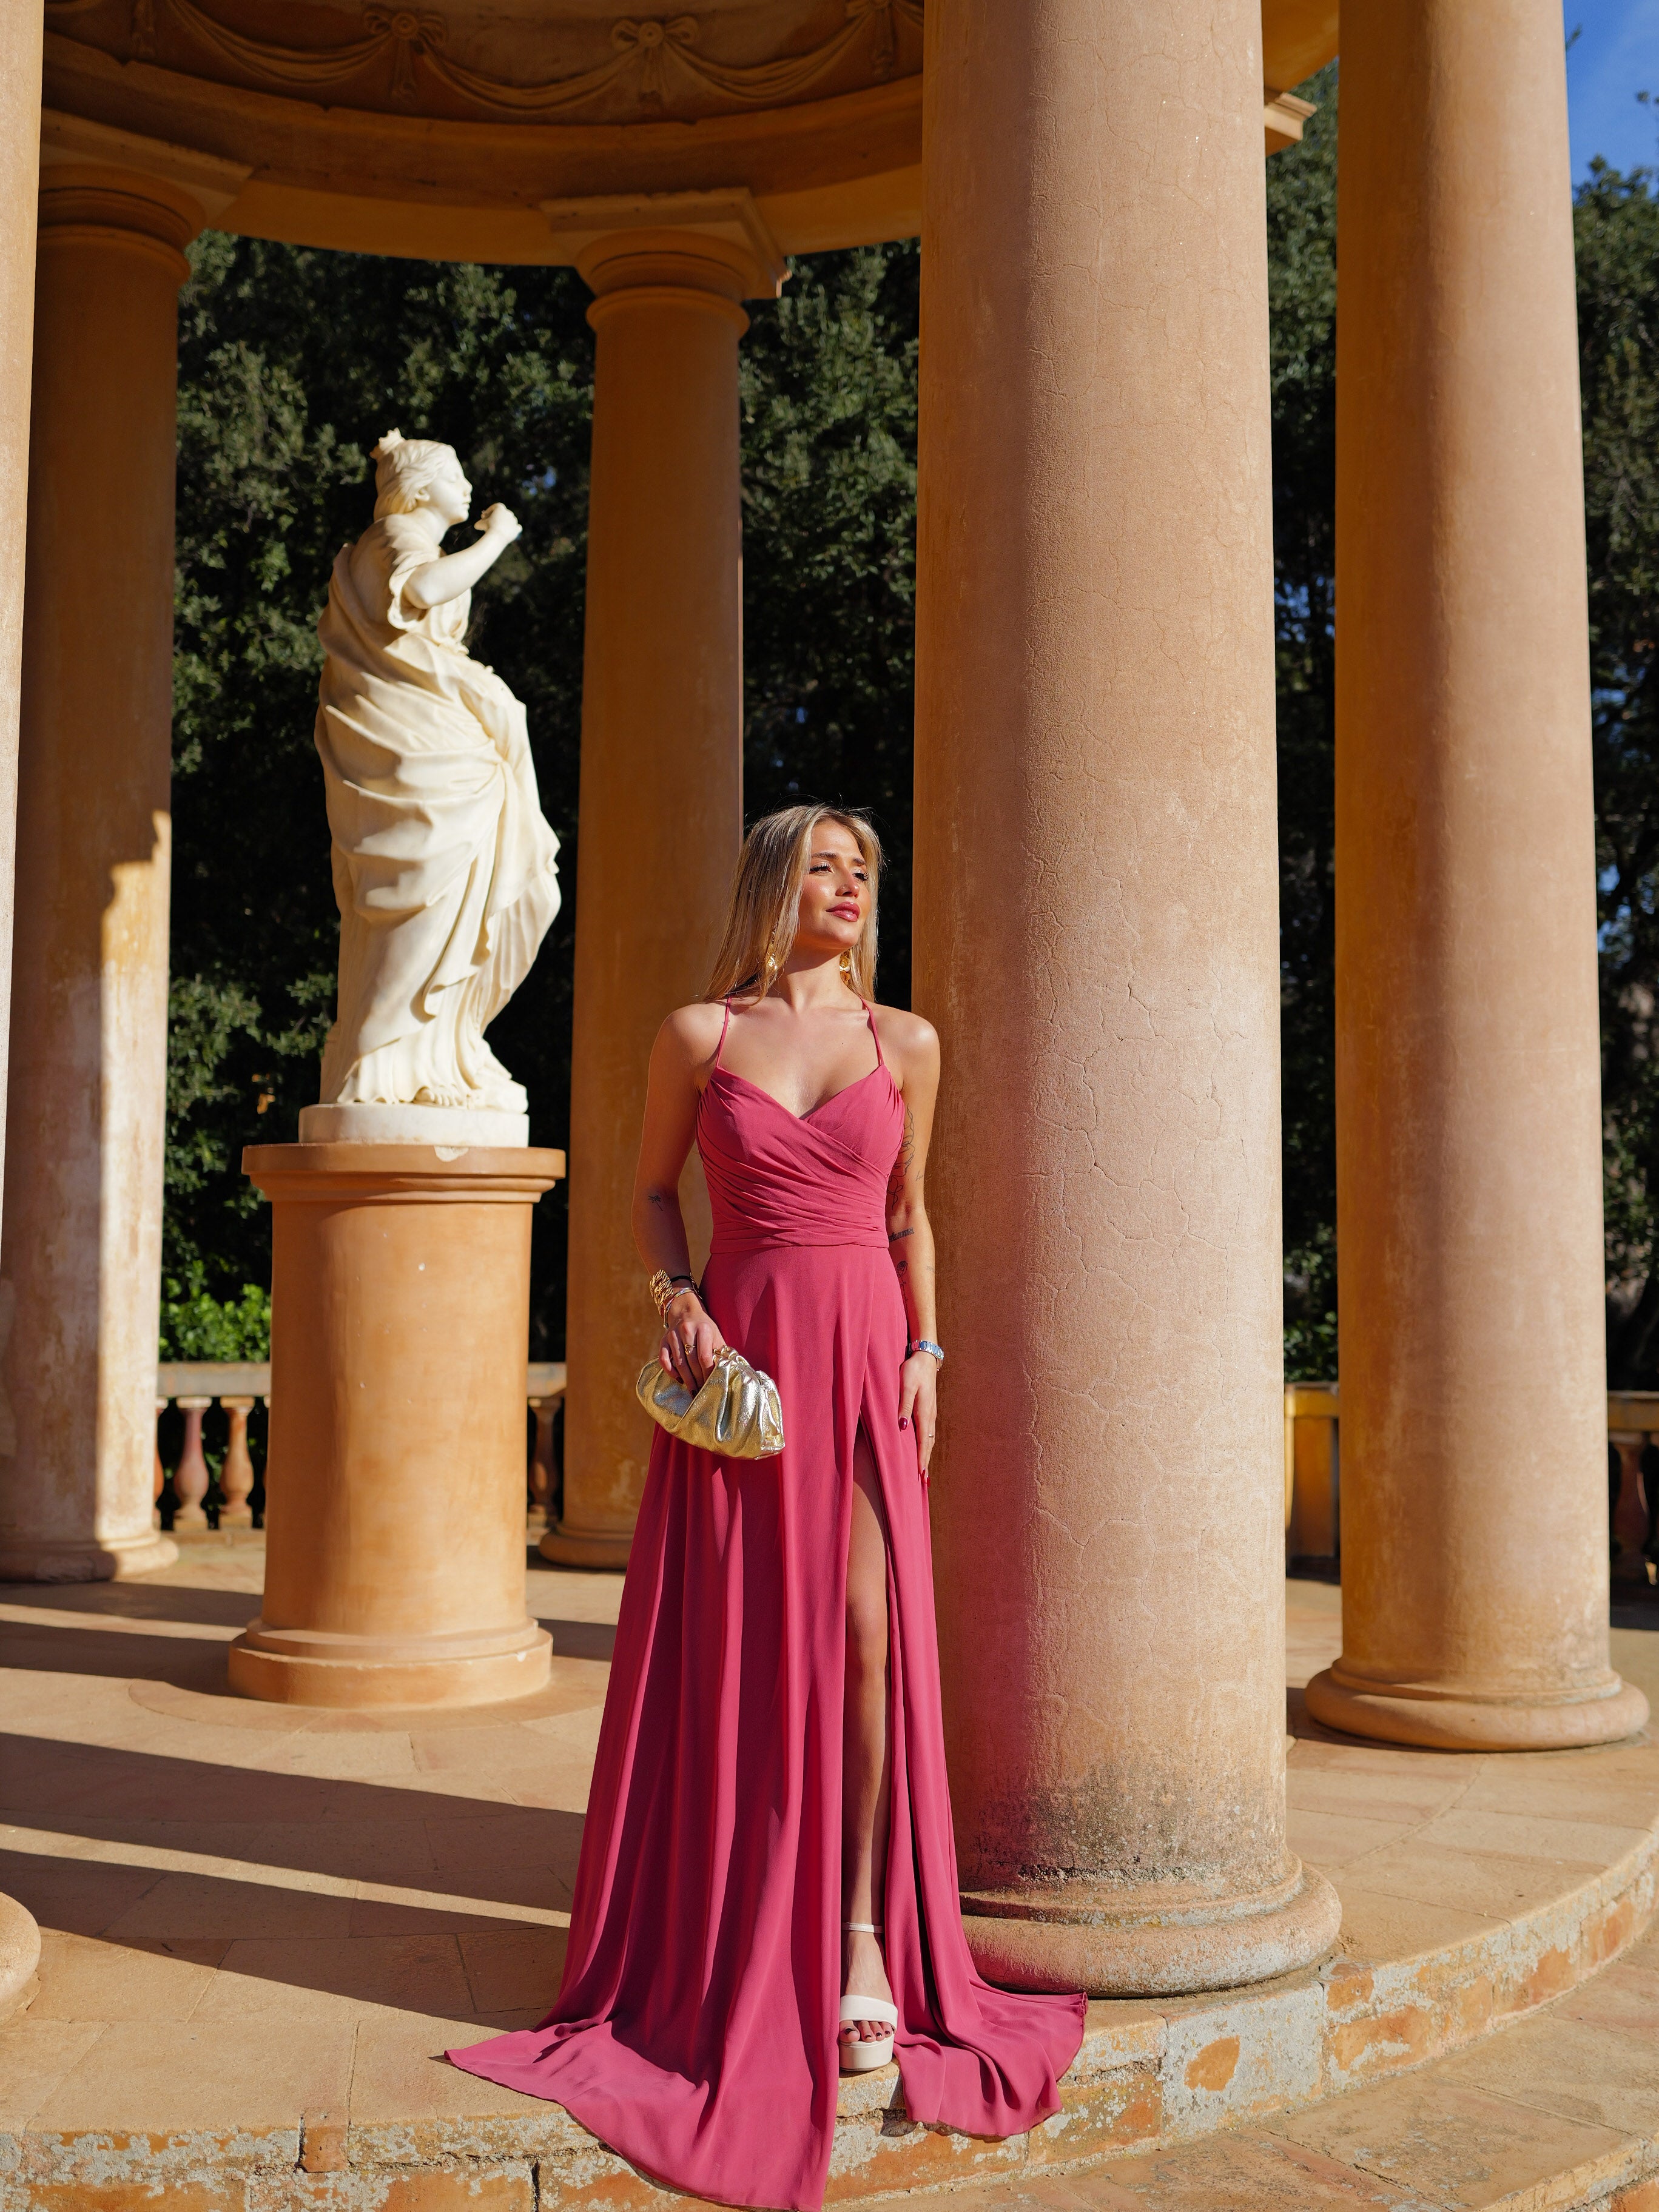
[(765, 909), (405, 469)]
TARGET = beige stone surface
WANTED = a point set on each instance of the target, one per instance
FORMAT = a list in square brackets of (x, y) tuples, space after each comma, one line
[(165, 2075), (1447, 2145), (34, 2057), (84, 1980), (231, 1940)]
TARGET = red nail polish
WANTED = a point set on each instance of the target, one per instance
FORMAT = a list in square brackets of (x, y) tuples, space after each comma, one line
[(903, 1424)]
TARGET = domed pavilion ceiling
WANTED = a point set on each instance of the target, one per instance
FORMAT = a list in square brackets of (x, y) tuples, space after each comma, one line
[(577, 61), (509, 129)]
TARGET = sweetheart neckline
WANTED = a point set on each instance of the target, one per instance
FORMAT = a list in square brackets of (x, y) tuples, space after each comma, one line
[(880, 1068)]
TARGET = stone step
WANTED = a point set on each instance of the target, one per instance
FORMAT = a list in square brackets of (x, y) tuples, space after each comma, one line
[(264, 1925), (1559, 2113)]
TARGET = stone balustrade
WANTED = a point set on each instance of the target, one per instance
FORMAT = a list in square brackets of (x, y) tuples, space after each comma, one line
[(1313, 1468), (238, 1386)]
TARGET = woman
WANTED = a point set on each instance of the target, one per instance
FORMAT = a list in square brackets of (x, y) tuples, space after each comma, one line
[(767, 1879)]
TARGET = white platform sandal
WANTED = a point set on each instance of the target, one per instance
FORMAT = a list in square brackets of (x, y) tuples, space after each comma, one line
[(864, 2054)]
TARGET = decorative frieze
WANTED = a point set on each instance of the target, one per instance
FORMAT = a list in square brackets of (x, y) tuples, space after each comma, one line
[(655, 64)]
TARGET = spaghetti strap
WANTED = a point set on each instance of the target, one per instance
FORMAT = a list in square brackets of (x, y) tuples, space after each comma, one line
[(875, 1034), (726, 1025)]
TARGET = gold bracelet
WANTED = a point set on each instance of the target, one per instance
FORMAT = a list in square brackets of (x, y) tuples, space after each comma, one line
[(664, 1287)]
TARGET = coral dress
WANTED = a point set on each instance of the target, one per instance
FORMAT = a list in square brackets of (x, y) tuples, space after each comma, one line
[(695, 2028)]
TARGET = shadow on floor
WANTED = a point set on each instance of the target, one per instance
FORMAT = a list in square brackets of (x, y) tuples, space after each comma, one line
[(1635, 1606), (189, 1662), (438, 1963), (582, 1639), (209, 1608), (408, 1839)]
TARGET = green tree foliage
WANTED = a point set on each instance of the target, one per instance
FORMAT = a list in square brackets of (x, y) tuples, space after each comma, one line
[(1617, 226), (830, 531), (1301, 300), (1617, 223), (292, 363)]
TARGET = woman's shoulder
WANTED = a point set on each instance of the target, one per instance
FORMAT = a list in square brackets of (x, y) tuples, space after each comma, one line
[(693, 1033), (907, 1037)]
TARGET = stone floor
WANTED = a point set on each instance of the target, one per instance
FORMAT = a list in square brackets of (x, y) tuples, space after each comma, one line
[(254, 1914)]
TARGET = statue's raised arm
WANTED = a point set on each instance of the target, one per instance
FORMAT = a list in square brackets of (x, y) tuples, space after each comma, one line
[(444, 869)]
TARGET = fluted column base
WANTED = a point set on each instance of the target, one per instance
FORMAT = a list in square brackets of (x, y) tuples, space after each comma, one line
[(1116, 1942), (1416, 1713)]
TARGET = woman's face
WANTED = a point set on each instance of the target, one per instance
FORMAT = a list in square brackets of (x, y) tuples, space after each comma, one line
[(450, 496), (834, 898)]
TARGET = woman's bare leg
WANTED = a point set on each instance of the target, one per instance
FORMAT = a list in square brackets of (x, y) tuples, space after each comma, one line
[(865, 1776)]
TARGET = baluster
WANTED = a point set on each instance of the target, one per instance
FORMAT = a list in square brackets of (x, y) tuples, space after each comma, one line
[(161, 1404), (236, 1476), (541, 1462), (190, 1481), (1630, 1514), (262, 1486)]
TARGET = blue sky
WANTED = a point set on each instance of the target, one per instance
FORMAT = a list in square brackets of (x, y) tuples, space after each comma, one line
[(1615, 56)]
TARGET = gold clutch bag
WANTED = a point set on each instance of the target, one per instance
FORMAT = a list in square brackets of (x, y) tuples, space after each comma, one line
[(737, 1412)]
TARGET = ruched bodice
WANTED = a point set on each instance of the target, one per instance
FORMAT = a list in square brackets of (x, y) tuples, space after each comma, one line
[(776, 1178), (696, 2026)]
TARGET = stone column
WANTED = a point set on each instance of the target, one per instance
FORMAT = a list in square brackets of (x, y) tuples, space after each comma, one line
[(19, 137), (20, 154), (87, 1098), (1096, 938), (1474, 1512), (661, 803)]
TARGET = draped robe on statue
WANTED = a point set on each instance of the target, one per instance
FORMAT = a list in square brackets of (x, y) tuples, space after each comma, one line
[(444, 868)]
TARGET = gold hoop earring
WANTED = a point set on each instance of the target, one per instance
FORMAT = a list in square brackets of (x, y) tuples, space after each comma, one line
[(771, 971)]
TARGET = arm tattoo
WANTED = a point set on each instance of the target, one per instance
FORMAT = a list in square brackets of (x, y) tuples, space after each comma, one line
[(907, 1152), (897, 1235)]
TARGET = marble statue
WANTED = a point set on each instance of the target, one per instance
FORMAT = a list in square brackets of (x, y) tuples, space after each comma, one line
[(444, 868)]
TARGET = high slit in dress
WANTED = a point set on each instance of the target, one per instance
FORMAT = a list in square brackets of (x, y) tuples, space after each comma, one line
[(696, 2023)]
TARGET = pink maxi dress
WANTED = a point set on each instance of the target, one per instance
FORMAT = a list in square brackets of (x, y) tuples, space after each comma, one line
[(696, 2023)]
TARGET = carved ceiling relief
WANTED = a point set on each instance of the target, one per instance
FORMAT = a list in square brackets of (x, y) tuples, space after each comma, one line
[(636, 67)]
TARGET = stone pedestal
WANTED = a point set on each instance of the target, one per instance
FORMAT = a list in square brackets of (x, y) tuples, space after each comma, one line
[(395, 1479), (661, 806), (1474, 1494), (1096, 938)]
